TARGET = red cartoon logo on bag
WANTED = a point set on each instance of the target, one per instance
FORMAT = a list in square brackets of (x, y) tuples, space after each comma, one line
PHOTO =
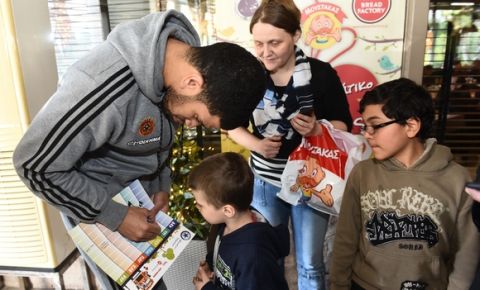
[(146, 127), (325, 151), (309, 176)]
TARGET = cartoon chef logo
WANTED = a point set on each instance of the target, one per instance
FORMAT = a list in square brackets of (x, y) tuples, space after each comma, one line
[(322, 25), (146, 127)]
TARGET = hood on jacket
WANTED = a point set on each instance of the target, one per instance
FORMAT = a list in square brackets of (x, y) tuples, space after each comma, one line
[(142, 44), (263, 234), (434, 158)]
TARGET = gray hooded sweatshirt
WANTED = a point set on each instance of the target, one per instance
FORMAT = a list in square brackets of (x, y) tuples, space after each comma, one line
[(104, 126)]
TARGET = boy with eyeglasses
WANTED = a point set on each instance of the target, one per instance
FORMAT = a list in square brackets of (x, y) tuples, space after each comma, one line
[(405, 217)]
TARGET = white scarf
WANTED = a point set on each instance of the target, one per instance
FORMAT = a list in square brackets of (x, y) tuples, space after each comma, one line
[(272, 115)]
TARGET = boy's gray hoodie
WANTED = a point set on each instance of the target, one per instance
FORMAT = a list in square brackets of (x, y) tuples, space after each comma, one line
[(104, 126)]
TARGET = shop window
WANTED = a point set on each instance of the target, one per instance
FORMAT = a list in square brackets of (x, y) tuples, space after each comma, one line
[(452, 75)]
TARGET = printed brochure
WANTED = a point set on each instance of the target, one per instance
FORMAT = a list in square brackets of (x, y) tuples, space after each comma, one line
[(133, 265)]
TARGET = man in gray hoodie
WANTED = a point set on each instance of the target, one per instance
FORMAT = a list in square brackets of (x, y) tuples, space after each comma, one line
[(114, 115)]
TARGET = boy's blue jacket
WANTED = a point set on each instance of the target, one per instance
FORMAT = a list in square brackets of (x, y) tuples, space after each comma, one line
[(248, 258)]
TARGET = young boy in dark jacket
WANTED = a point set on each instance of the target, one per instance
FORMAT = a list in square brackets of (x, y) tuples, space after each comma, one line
[(405, 218), (247, 249)]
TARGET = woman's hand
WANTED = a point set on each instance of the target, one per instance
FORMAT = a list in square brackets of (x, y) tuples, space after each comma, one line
[(306, 125), (268, 147)]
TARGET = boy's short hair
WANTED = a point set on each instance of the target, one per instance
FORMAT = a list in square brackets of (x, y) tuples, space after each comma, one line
[(225, 178), (234, 81), (403, 99)]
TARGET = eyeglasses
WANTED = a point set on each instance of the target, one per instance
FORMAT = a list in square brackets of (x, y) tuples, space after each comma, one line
[(371, 129)]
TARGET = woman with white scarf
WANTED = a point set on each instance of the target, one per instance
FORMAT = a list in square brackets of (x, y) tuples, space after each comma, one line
[(300, 91)]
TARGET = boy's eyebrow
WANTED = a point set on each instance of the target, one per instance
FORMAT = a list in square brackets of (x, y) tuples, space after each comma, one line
[(372, 118)]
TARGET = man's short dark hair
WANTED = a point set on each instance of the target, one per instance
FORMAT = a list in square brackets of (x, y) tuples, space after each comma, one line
[(225, 178), (403, 99), (234, 81)]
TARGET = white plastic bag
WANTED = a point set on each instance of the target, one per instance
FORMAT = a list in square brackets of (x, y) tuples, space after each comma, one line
[(316, 172)]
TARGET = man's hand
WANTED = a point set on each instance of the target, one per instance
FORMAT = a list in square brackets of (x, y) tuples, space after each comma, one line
[(160, 203), (475, 194), (136, 227)]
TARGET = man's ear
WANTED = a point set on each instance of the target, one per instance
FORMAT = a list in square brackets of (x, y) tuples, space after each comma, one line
[(412, 127), (191, 84), (229, 210), (297, 35)]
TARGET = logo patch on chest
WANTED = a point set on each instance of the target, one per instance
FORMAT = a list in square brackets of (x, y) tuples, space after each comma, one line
[(146, 127), (413, 285)]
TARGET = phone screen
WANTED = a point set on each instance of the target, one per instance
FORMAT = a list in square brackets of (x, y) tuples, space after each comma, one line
[(474, 185), (307, 111)]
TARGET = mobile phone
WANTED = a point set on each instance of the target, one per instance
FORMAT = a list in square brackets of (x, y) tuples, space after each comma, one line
[(308, 111), (473, 185)]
